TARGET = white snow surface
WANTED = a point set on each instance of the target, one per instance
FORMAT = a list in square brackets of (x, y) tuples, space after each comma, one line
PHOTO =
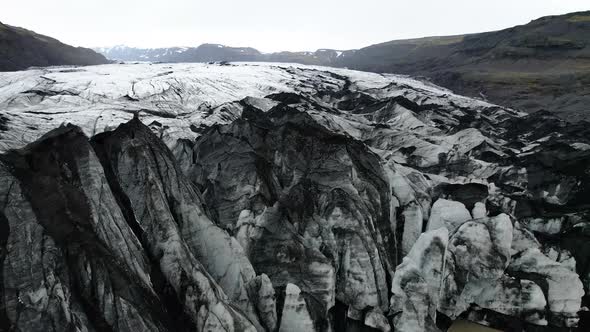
[(98, 98)]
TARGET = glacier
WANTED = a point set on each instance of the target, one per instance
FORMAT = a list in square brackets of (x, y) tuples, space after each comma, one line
[(283, 197)]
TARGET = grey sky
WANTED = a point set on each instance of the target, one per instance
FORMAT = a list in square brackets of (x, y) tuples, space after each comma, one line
[(270, 25)]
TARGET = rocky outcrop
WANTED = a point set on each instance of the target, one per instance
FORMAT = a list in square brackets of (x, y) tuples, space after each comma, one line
[(327, 200)]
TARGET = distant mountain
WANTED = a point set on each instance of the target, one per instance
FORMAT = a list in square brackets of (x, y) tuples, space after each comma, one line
[(21, 48), (322, 57), (203, 53), (216, 52), (541, 65)]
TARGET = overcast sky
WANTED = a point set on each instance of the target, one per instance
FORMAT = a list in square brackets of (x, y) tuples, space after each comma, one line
[(270, 25)]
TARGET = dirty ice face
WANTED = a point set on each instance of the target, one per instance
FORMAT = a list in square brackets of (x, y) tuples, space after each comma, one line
[(252, 197)]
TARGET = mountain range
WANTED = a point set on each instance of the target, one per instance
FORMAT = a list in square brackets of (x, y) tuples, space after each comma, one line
[(543, 65)]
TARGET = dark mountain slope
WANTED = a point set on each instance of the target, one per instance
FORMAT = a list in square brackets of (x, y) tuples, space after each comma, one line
[(541, 65), (21, 48)]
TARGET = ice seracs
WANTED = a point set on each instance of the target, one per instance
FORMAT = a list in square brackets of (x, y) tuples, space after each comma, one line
[(295, 312), (244, 196)]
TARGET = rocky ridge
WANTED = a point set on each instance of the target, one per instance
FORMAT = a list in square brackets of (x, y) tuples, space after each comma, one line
[(258, 197)]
